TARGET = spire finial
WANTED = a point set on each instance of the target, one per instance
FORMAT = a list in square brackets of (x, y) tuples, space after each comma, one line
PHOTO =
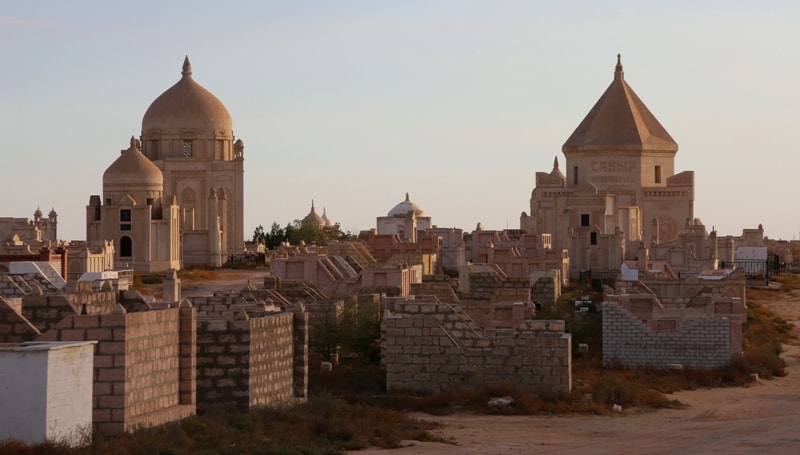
[(312, 205), (555, 162), (187, 67), (618, 73), (407, 199)]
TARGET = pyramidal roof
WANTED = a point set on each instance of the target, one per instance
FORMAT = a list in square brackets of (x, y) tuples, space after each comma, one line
[(620, 120)]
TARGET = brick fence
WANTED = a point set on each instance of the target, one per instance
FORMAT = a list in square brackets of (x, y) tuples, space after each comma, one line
[(431, 347), (700, 342), (245, 362)]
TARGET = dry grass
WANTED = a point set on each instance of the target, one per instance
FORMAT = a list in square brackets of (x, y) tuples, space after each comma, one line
[(323, 425)]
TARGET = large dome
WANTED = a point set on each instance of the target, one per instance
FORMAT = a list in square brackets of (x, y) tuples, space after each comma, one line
[(132, 171), (407, 206), (187, 106)]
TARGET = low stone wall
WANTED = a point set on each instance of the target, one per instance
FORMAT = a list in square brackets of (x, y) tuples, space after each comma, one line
[(701, 342), (432, 347), (243, 362)]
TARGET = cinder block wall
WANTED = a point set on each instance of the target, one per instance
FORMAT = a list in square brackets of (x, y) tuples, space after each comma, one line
[(701, 342), (249, 362), (431, 347), (138, 363), (14, 328)]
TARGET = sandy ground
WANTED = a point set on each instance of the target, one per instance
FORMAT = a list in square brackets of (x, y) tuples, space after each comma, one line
[(227, 280), (762, 418)]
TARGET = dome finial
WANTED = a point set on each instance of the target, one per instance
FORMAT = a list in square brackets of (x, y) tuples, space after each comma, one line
[(187, 67), (555, 162), (407, 199), (618, 73), (312, 205), (133, 142)]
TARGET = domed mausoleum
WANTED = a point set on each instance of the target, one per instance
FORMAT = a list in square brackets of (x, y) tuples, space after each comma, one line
[(188, 168), (405, 219)]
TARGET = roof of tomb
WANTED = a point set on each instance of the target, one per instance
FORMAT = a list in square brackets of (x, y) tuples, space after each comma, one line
[(620, 120), (313, 217), (187, 106), (132, 170), (406, 206)]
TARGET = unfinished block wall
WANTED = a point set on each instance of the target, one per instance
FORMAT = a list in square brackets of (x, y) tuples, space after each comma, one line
[(142, 365), (701, 342), (14, 327), (431, 347), (243, 362)]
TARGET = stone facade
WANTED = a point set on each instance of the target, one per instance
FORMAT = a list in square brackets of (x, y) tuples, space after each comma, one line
[(430, 347), (341, 275), (517, 253)]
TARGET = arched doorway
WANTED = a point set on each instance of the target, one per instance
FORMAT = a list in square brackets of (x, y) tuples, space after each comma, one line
[(125, 247)]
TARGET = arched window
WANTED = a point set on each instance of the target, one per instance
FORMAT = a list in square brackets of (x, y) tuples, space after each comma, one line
[(125, 247)]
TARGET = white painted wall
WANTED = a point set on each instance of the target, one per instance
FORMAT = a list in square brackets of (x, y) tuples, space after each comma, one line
[(46, 391)]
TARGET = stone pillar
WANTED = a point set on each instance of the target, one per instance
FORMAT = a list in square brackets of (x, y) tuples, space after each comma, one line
[(187, 355), (172, 287), (300, 330), (213, 229)]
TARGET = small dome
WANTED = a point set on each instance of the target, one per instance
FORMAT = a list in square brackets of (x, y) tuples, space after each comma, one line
[(133, 171), (37, 213), (325, 218), (187, 106), (52, 213), (406, 206), (556, 172), (313, 217)]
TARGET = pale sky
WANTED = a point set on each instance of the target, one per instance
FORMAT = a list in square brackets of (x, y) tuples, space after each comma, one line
[(354, 103)]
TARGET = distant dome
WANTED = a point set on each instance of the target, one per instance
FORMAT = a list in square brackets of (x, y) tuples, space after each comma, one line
[(406, 206), (313, 217), (187, 106), (325, 218), (133, 171), (37, 213)]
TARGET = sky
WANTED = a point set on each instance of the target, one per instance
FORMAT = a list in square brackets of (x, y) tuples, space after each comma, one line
[(352, 104)]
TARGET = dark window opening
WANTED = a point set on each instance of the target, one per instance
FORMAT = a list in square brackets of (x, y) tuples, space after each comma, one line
[(575, 175), (593, 238), (658, 174), (124, 227), (125, 215), (584, 219), (125, 247)]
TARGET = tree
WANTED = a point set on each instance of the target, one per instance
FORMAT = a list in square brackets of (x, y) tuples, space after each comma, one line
[(359, 330), (259, 236), (276, 236)]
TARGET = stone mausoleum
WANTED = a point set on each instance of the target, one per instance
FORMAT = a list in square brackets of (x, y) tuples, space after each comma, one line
[(618, 187), (175, 197)]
